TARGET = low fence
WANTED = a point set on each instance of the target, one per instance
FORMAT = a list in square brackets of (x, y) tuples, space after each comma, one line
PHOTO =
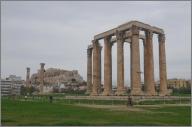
[(107, 100)]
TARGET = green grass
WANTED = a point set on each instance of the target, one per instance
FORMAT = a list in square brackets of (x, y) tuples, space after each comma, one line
[(181, 94), (45, 98), (60, 114), (173, 101)]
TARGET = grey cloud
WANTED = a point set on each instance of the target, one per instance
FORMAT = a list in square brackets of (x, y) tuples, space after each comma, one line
[(58, 33)]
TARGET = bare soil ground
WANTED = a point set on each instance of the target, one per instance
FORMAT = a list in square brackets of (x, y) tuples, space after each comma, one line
[(113, 107)]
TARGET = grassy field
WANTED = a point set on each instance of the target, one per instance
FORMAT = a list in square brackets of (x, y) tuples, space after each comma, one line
[(180, 94), (60, 114), (59, 98)]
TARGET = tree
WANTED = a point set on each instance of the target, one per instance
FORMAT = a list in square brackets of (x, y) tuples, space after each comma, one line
[(27, 90), (23, 90)]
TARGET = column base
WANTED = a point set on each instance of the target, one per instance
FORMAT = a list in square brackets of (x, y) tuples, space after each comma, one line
[(163, 93), (88, 92), (94, 94), (136, 92), (107, 93), (150, 93), (120, 92)]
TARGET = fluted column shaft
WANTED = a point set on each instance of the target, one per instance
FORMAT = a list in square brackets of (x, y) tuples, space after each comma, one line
[(145, 64), (42, 70), (96, 68), (149, 64), (99, 65), (89, 70), (107, 67), (28, 77), (162, 65), (120, 64), (135, 63)]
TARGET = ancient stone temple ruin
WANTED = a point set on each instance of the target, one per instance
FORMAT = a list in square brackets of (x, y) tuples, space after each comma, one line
[(28, 84), (128, 32), (50, 77), (41, 77)]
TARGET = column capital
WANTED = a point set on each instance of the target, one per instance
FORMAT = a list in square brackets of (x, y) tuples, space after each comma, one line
[(161, 37), (135, 30), (149, 34), (28, 69), (89, 51), (119, 35), (90, 46), (107, 38), (95, 43), (42, 65)]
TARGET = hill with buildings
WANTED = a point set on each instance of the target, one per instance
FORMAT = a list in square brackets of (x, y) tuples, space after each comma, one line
[(57, 76)]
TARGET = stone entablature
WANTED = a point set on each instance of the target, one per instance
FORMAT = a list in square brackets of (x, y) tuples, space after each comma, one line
[(127, 27)]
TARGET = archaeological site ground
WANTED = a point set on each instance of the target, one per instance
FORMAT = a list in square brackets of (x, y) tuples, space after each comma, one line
[(68, 112)]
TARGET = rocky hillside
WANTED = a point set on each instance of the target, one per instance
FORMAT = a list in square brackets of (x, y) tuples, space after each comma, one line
[(55, 76)]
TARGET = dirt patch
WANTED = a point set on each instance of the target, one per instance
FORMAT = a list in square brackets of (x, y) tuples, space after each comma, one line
[(155, 106), (113, 107), (161, 105), (167, 105)]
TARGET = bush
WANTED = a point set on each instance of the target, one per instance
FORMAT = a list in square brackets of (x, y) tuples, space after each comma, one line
[(182, 90), (26, 90)]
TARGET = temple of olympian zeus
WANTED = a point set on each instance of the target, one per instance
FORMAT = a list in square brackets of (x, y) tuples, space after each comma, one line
[(128, 32)]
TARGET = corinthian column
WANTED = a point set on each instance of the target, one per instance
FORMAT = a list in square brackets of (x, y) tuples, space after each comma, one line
[(162, 65), (135, 63), (27, 77), (120, 64), (42, 70), (96, 68), (89, 70), (149, 64), (107, 67), (99, 65)]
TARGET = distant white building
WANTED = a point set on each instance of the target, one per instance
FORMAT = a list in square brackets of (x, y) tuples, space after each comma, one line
[(47, 89), (6, 87), (11, 85), (14, 78), (16, 88)]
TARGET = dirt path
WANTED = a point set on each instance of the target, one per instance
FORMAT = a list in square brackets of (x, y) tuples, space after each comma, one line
[(113, 107)]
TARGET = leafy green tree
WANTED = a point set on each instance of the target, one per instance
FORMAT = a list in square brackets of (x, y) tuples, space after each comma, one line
[(23, 90), (27, 90)]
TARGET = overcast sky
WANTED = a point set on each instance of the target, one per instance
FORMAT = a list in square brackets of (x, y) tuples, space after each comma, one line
[(58, 33)]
